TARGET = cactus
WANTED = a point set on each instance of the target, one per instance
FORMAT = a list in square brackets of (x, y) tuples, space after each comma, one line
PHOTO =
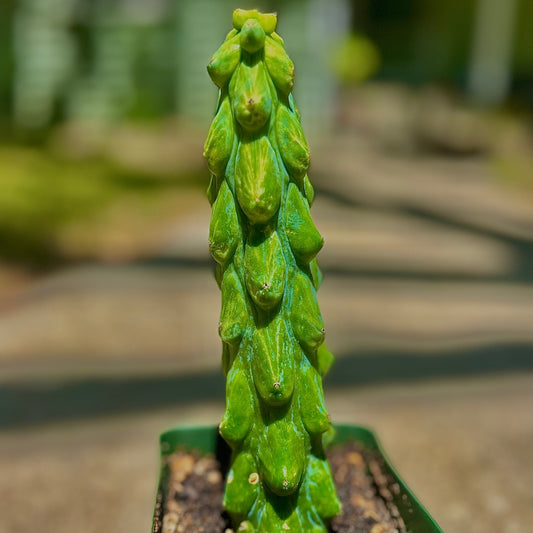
[(264, 243)]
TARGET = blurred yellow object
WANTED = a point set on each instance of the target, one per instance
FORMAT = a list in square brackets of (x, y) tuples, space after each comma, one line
[(355, 59)]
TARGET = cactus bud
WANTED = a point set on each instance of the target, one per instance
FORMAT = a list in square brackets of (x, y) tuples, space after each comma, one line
[(305, 314), (252, 36), (264, 273), (240, 493), (225, 60), (322, 489), (312, 406), (304, 238), (233, 316), (292, 144), (224, 230), (252, 103), (217, 148), (280, 67), (282, 457), (272, 358), (258, 180), (237, 419)]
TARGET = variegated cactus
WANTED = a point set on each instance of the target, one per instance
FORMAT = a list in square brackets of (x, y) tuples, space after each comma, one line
[(264, 242)]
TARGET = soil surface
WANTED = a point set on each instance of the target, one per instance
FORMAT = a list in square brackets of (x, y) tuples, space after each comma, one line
[(192, 500), (364, 491)]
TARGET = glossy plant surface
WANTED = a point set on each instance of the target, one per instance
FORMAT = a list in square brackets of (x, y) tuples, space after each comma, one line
[(264, 242)]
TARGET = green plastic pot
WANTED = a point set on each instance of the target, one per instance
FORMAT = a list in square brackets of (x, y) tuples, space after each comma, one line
[(207, 440)]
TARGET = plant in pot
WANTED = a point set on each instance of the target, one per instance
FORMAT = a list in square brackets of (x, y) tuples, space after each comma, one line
[(264, 242)]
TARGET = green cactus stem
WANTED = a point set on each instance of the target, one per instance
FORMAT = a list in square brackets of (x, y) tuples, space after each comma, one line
[(265, 244)]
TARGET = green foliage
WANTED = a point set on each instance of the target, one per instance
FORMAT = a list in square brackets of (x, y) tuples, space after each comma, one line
[(356, 59), (265, 244), (39, 195), (48, 204)]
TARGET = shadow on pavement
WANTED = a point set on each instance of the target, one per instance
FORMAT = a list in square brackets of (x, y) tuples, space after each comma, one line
[(522, 247), (25, 404)]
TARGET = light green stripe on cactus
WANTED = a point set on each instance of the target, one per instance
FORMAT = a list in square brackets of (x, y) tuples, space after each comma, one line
[(265, 244)]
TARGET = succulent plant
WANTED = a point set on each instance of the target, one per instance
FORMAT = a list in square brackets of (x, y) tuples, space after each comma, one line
[(265, 244)]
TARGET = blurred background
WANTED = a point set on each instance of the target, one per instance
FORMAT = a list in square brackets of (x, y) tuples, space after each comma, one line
[(419, 116)]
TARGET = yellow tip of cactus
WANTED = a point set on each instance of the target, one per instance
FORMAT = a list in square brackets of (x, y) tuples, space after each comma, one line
[(268, 21)]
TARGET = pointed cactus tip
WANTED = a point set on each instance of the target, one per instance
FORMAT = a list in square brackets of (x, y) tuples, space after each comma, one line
[(268, 21)]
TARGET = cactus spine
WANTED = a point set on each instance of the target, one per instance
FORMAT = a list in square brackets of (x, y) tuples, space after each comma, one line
[(264, 242)]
